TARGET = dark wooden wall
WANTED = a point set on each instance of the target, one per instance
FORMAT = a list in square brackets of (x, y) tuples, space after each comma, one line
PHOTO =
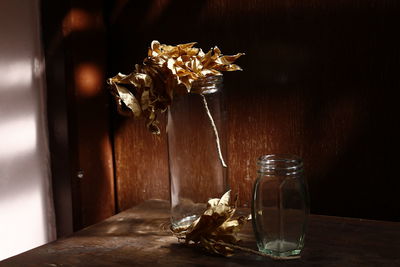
[(74, 37), (319, 80)]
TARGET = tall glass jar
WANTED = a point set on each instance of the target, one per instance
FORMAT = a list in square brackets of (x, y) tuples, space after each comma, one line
[(196, 146), (280, 205)]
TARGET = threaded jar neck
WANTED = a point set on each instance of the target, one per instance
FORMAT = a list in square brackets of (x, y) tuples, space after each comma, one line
[(282, 164), (207, 85)]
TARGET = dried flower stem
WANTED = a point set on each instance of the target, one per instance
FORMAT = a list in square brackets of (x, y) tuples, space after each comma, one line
[(249, 250), (215, 131)]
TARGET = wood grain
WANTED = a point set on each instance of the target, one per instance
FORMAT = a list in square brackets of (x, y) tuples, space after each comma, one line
[(81, 146), (140, 163), (319, 81), (92, 176), (140, 237)]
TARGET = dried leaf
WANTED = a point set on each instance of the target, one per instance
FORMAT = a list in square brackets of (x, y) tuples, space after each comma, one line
[(129, 100), (167, 70), (213, 226), (227, 60), (225, 199), (145, 100)]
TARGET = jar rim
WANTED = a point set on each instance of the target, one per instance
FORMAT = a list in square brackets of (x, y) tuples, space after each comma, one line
[(208, 85), (287, 162)]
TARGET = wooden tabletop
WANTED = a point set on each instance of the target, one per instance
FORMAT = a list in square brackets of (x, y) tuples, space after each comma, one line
[(140, 236)]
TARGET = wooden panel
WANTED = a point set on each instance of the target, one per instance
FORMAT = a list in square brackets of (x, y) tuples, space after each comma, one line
[(319, 81), (140, 163), (92, 176), (76, 49)]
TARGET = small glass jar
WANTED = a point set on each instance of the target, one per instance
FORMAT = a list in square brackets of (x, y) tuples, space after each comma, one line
[(195, 169), (280, 205)]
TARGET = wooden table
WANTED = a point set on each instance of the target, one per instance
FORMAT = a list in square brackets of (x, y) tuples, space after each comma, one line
[(140, 237)]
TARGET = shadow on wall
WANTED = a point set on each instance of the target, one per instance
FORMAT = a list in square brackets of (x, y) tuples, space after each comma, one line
[(82, 165)]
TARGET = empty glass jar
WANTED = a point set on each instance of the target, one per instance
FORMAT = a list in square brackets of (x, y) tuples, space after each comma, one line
[(280, 205), (196, 171)]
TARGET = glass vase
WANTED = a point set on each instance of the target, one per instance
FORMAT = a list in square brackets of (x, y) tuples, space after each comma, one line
[(196, 146), (280, 205)]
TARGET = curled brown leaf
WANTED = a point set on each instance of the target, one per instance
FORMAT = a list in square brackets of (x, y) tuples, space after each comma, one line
[(214, 226)]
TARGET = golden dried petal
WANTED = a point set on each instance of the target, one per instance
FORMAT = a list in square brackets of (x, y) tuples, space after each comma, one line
[(187, 81), (139, 80), (233, 226), (205, 226), (145, 100), (205, 61), (212, 202), (171, 65), (229, 59), (116, 79), (200, 54), (122, 108), (231, 67), (155, 45), (129, 100), (187, 45), (179, 61), (154, 49), (169, 51), (191, 51), (225, 198), (216, 53), (193, 66)]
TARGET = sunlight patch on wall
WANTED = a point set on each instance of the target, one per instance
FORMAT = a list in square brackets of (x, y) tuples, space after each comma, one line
[(15, 73), (26, 211), (17, 237), (17, 136)]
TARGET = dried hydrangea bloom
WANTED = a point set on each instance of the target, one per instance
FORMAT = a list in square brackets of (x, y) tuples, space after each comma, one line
[(166, 71)]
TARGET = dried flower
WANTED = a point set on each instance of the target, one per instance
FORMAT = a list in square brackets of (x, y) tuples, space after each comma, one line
[(166, 71), (215, 229)]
